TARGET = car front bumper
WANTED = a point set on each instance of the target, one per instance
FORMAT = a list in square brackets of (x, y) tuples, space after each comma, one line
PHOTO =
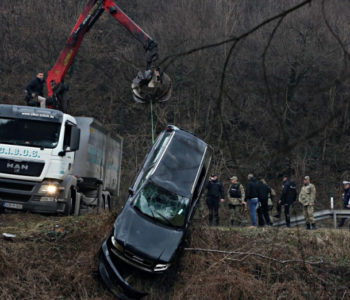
[(112, 277)]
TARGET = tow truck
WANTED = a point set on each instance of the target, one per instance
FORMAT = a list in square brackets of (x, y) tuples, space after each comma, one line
[(41, 169), (149, 85)]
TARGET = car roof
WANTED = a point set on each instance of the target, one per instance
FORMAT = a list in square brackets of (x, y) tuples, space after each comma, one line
[(180, 164)]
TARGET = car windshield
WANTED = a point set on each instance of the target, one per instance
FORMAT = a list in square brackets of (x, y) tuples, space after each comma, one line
[(158, 203), (31, 133)]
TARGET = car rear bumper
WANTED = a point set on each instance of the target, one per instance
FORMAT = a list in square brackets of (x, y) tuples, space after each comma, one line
[(112, 277)]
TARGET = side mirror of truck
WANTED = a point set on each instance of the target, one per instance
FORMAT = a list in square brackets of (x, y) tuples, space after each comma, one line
[(73, 134), (74, 139)]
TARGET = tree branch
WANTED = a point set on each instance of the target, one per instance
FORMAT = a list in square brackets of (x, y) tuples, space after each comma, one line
[(257, 255), (173, 57)]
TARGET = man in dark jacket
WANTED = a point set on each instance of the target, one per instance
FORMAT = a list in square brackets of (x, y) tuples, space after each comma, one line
[(288, 196), (252, 197), (263, 211), (346, 201), (34, 91), (215, 194)]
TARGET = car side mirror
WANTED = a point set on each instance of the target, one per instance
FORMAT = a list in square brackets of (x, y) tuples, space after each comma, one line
[(131, 191)]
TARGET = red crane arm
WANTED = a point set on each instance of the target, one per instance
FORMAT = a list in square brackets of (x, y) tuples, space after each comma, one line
[(57, 73), (91, 12), (148, 43)]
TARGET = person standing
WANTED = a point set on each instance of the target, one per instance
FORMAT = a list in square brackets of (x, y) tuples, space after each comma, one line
[(236, 197), (346, 201), (263, 211), (307, 198), (34, 91), (215, 194), (251, 196), (271, 200), (288, 197)]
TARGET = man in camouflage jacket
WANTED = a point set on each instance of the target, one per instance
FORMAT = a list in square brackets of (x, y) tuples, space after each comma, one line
[(307, 198)]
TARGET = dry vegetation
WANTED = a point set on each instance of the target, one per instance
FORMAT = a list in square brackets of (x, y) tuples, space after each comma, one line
[(56, 258), (51, 257)]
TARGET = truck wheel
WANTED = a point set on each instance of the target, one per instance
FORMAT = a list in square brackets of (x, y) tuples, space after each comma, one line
[(70, 204), (108, 204), (102, 204)]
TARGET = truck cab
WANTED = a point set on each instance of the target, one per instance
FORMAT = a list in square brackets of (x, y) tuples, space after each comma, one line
[(37, 148)]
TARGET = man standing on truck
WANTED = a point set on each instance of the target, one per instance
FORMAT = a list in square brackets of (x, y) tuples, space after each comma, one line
[(215, 194), (34, 92)]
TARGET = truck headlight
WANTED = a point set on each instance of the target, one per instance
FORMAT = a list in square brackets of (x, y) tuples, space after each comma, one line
[(50, 189), (161, 267)]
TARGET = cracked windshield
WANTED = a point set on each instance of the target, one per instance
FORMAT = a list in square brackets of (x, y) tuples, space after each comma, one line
[(158, 203)]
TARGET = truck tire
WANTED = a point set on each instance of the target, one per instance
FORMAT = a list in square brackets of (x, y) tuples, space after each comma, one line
[(108, 204), (77, 204), (69, 209)]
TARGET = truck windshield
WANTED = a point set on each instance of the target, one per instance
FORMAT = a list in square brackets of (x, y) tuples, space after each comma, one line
[(29, 133), (161, 205)]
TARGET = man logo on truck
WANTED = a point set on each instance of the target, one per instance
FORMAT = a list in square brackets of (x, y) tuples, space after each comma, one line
[(16, 167)]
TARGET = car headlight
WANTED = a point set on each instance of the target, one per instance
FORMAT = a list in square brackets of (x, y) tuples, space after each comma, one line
[(50, 189), (116, 244), (161, 267)]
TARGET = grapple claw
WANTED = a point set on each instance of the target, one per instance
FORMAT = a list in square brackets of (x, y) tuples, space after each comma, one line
[(151, 85)]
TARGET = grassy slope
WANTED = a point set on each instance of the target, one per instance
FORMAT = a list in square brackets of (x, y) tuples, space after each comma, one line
[(55, 258)]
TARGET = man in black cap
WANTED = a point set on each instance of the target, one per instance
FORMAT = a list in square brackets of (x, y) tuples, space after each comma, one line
[(346, 201), (288, 196), (215, 194)]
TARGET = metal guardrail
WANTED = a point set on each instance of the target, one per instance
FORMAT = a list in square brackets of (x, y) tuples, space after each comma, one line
[(318, 215)]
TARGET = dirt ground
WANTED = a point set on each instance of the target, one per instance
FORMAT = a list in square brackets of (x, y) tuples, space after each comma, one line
[(56, 258)]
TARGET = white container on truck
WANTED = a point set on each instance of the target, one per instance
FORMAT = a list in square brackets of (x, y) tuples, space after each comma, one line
[(52, 162)]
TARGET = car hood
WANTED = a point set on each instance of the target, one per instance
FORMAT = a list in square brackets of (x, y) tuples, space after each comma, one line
[(144, 237)]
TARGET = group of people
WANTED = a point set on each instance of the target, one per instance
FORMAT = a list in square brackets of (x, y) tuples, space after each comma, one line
[(258, 196)]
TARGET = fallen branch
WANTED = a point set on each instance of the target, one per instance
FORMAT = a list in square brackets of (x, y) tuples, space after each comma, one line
[(256, 254)]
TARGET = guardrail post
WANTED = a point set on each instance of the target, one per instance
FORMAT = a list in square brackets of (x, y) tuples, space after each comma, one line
[(334, 214)]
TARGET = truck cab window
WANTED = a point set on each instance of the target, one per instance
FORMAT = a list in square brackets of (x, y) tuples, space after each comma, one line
[(67, 135), (25, 132)]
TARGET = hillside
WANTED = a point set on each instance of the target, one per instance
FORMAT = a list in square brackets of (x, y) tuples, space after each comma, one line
[(273, 102), (55, 258)]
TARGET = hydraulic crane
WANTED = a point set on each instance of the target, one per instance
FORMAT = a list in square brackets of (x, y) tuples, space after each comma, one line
[(149, 85)]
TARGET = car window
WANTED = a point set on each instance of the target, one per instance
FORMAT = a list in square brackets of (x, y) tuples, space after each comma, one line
[(152, 158), (161, 205), (180, 164)]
